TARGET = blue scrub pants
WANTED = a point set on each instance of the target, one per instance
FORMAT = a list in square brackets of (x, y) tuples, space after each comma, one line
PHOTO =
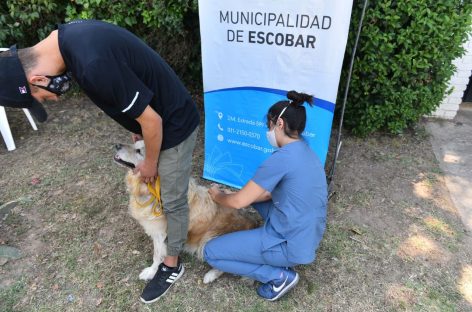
[(242, 253)]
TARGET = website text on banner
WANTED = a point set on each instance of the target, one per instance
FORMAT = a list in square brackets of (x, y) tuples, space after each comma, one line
[(253, 52)]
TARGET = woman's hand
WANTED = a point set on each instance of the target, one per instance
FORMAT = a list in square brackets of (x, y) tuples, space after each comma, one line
[(240, 199), (214, 190)]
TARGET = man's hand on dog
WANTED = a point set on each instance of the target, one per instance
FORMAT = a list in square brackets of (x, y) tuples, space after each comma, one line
[(147, 170)]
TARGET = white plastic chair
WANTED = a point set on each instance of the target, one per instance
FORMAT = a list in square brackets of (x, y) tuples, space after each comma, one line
[(5, 126)]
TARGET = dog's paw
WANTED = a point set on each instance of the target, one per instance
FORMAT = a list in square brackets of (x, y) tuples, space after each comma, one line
[(148, 273), (211, 275)]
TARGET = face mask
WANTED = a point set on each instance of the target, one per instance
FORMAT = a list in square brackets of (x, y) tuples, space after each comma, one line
[(271, 134), (58, 84), (271, 138)]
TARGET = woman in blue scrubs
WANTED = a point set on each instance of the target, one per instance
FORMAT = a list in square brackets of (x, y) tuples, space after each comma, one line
[(289, 191)]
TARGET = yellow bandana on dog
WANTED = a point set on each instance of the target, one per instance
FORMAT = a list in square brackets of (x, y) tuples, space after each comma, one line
[(156, 201)]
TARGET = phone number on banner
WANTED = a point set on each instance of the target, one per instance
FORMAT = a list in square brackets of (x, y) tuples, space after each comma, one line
[(245, 133)]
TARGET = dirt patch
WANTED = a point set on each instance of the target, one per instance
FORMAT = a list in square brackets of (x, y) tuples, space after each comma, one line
[(393, 242), (400, 296)]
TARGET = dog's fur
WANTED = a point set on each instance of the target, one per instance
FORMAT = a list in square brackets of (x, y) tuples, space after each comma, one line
[(206, 219)]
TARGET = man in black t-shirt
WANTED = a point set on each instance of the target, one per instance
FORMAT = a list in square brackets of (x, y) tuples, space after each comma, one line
[(133, 85)]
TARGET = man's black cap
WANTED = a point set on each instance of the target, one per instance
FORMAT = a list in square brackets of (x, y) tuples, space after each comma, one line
[(14, 88)]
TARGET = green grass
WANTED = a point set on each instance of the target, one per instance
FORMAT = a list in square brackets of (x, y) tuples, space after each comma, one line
[(79, 213), (17, 222), (438, 297), (334, 243), (11, 295)]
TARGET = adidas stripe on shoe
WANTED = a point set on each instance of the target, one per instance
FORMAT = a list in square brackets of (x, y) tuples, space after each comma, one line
[(161, 282)]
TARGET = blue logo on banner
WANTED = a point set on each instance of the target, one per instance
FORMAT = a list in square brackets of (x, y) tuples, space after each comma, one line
[(235, 131)]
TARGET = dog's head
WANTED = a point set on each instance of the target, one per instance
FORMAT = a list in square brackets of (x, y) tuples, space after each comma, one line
[(129, 155)]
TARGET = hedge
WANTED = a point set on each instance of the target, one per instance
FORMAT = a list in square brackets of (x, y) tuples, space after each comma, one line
[(168, 26), (404, 61), (401, 70)]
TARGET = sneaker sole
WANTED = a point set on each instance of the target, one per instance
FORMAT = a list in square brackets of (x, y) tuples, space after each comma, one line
[(176, 279), (286, 289)]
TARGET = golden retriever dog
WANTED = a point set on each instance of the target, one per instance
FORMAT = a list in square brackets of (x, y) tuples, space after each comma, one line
[(206, 219)]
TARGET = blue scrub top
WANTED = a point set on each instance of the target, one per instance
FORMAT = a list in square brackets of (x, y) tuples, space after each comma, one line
[(294, 176)]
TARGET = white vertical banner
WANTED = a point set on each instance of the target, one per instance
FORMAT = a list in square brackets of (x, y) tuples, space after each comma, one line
[(253, 53)]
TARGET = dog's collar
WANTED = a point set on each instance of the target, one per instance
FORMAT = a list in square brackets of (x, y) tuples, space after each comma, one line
[(156, 201)]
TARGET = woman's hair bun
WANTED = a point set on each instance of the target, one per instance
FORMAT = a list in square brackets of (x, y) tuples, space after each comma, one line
[(299, 98)]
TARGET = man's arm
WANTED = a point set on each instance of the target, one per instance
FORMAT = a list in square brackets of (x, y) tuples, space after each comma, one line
[(151, 127)]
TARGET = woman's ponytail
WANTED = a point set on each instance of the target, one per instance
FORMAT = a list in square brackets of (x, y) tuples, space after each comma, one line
[(297, 99)]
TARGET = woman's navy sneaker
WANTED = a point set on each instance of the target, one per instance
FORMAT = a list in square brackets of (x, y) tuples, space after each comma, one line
[(273, 290), (161, 282)]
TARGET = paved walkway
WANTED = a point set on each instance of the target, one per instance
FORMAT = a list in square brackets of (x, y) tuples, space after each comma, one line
[(452, 144)]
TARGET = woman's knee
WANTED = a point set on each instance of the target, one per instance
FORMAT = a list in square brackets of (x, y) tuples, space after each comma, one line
[(208, 254)]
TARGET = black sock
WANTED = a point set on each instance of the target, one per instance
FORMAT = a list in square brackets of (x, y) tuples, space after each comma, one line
[(169, 267)]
